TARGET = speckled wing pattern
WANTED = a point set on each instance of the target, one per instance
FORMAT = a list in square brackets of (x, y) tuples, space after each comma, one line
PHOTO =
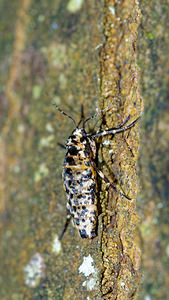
[(80, 183)]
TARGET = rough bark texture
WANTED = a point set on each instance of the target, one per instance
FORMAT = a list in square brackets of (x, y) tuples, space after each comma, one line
[(120, 85), (73, 54)]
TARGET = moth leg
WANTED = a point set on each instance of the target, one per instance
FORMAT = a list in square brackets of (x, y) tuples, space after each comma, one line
[(119, 126), (61, 145), (123, 123), (114, 130), (68, 218), (100, 173)]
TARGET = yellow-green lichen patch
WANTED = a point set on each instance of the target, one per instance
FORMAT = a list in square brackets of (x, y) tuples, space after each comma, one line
[(46, 141), (36, 91), (49, 127), (56, 246), (74, 5), (42, 172), (56, 55)]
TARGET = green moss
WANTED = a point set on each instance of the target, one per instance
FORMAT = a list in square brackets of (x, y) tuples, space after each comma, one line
[(36, 91), (150, 36)]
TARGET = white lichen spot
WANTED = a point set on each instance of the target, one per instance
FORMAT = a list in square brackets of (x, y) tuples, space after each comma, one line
[(56, 245), (106, 142), (46, 141), (41, 18), (74, 5), (160, 205), (147, 297), (98, 46), (43, 171), (21, 128), (57, 100), (122, 283), (155, 220), (111, 151), (62, 81), (56, 55), (112, 10), (34, 270), (90, 284), (16, 169), (86, 267), (49, 127)]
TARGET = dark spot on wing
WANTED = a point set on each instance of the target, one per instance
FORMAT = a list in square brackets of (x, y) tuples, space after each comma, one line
[(73, 209), (74, 142), (70, 196), (93, 197), (83, 234), (70, 160), (92, 188), (81, 196), (77, 221), (75, 191), (67, 175), (68, 171), (73, 150), (83, 213), (76, 202), (86, 176), (82, 139)]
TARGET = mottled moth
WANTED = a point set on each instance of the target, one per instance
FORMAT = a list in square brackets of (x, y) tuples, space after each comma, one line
[(79, 176)]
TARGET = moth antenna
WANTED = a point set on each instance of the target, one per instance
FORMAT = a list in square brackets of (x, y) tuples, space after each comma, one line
[(65, 114), (82, 116), (97, 114)]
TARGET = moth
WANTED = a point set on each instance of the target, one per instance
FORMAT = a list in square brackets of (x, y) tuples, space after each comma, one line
[(79, 177)]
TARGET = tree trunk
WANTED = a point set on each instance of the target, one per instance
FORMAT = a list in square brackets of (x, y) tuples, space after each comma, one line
[(74, 53)]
